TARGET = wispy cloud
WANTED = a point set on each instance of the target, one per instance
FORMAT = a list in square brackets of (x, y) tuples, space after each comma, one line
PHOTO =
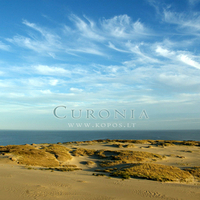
[(4, 46), (110, 62), (122, 27), (53, 71), (86, 37), (190, 22), (112, 46), (184, 57), (193, 2), (86, 29)]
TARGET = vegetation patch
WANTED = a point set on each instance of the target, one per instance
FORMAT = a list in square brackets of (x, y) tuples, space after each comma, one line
[(64, 169), (118, 157), (90, 163), (98, 174), (153, 172), (124, 157), (135, 156), (48, 156), (60, 152), (195, 171), (101, 153), (191, 143), (69, 165), (150, 142), (83, 152), (129, 146), (29, 155)]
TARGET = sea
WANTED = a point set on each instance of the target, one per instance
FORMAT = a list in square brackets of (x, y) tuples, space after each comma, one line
[(16, 137)]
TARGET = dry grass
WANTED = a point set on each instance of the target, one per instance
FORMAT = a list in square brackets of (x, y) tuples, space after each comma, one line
[(101, 153), (89, 152), (83, 152), (48, 156), (90, 162), (64, 169), (60, 152), (117, 157), (109, 163), (120, 145), (123, 157), (136, 156), (191, 143), (129, 146), (29, 155), (125, 163), (69, 165), (154, 172), (151, 142), (195, 171), (94, 174)]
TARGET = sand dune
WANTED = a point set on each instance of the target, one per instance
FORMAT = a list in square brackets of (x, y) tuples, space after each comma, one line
[(19, 181)]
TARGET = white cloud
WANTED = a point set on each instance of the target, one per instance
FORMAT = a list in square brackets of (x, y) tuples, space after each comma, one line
[(76, 90), (87, 30), (86, 37), (53, 82), (189, 61), (37, 82), (122, 27), (184, 57), (4, 46), (46, 43), (164, 52), (2, 73), (50, 37), (177, 80), (46, 91), (141, 74), (29, 43), (55, 71), (112, 46), (189, 22), (88, 50), (141, 57)]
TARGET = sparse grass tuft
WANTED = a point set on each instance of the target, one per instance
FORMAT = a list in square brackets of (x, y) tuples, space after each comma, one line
[(195, 171), (190, 143), (129, 146), (90, 163), (69, 165), (83, 152), (98, 174), (100, 153), (62, 169)]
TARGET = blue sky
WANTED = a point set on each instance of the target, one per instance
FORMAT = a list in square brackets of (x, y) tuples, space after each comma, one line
[(100, 55)]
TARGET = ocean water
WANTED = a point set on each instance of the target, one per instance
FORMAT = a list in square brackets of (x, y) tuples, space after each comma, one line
[(28, 137)]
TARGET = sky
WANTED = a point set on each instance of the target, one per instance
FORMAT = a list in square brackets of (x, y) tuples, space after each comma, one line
[(100, 64)]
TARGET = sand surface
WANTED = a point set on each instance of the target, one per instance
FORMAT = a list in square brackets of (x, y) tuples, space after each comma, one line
[(20, 183)]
